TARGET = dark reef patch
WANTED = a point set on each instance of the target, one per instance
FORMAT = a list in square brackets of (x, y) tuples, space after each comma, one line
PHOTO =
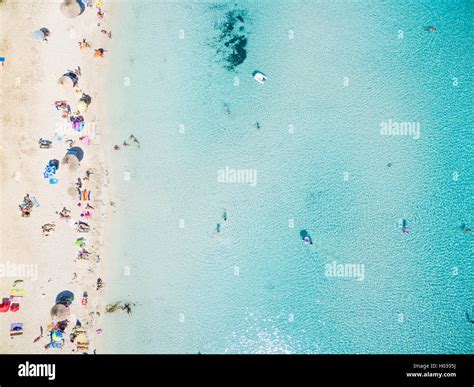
[(232, 39)]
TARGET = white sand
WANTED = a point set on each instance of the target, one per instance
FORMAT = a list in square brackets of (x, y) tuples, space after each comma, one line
[(28, 88)]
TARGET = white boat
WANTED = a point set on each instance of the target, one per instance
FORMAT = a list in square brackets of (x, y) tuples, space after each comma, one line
[(260, 77)]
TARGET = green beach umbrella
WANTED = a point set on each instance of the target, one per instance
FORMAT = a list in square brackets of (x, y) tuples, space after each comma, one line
[(80, 242)]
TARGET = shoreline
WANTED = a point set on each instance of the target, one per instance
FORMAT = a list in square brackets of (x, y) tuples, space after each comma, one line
[(29, 88)]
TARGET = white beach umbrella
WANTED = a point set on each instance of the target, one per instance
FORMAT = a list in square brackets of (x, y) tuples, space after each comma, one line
[(39, 35), (72, 8), (60, 312), (66, 81), (71, 161)]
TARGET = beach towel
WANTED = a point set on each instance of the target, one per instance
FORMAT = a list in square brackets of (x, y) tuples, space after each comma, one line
[(17, 292), (86, 195), (35, 202), (5, 305), (49, 171), (16, 329), (78, 125), (14, 307), (16, 299)]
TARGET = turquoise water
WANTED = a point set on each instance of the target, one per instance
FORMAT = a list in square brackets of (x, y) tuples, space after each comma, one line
[(338, 70)]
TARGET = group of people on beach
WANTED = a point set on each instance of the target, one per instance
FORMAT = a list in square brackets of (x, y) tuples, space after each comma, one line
[(26, 206), (132, 139), (80, 217)]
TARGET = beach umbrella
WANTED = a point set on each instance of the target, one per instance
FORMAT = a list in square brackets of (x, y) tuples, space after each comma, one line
[(66, 297), (73, 156), (76, 151), (71, 161), (41, 34), (60, 312), (80, 242), (66, 80), (72, 8)]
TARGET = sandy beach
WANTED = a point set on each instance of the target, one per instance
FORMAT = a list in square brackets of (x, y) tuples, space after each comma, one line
[(48, 263)]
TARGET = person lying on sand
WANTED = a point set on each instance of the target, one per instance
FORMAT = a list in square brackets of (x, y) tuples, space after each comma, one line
[(83, 254), (82, 227), (70, 143), (48, 228), (26, 206), (64, 213), (84, 44), (100, 284), (99, 53), (64, 107), (88, 175), (109, 34), (45, 144), (86, 214)]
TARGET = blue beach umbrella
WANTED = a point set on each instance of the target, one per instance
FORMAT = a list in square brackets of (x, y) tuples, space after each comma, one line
[(65, 298)]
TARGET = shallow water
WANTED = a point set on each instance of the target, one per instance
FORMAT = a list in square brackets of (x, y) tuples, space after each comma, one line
[(338, 70)]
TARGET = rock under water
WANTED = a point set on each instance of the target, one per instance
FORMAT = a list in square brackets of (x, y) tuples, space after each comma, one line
[(232, 39)]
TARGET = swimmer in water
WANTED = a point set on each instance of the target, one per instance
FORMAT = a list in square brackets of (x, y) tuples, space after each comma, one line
[(218, 227), (226, 109), (430, 29), (225, 215)]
